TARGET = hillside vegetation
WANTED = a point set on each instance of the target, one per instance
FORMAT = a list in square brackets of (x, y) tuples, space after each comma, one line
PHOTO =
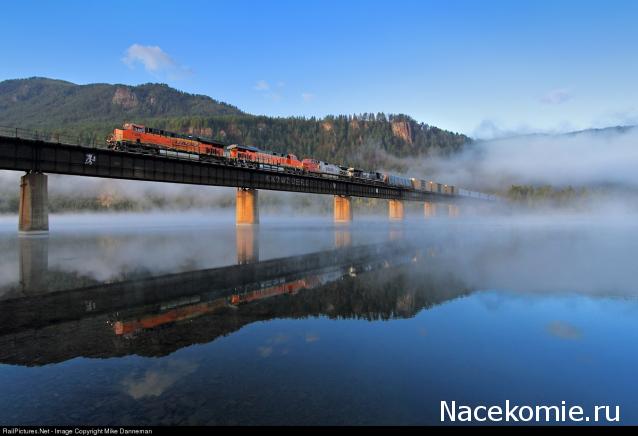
[(92, 111)]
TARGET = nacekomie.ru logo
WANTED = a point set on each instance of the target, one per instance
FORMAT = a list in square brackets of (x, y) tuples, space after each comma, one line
[(453, 412)]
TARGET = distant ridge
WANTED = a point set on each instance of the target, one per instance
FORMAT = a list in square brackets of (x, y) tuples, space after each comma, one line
[(593, 131), (604, 130)]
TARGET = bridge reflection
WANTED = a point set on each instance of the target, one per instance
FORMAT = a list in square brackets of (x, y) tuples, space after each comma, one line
[(158, 315)]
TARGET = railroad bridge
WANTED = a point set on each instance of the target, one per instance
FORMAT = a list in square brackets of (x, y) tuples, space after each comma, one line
[(39, 154)]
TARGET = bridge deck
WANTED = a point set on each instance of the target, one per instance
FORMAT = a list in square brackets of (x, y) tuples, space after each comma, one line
[(20, 154)]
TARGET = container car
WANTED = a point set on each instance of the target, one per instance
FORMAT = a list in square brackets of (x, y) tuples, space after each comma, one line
[(419, 185), (449, 190), (393, 180), (434, 187)]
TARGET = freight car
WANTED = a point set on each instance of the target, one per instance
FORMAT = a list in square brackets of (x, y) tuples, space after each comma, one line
[(373, 176), (418, 185), (434, 187), (478, 195), (422, 185), (449, 190), (393, 180)]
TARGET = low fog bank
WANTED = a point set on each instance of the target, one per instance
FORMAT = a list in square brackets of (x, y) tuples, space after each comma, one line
[(111, 247), (595, 159), (537, 253), (529, 253)]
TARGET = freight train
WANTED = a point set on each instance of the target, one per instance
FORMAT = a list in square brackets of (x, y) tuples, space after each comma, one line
[(137, 138)]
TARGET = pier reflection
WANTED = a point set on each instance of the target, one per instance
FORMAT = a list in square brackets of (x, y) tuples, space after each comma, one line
[(247, 240), (343, 237), (158, 315), (396, 233), (34, 263)]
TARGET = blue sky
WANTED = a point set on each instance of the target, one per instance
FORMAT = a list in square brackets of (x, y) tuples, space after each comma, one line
[(478, 67)]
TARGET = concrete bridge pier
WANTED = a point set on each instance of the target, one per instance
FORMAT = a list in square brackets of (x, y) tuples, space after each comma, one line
[(395, 209), (247, 242), (246, 207), (33, 207), (429, 209), (342, 209)]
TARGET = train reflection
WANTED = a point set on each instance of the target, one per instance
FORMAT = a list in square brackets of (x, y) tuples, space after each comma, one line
[(158, 315)]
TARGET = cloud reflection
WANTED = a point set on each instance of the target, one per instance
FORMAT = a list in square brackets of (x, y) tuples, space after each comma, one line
[(154, 382), (563, 330)]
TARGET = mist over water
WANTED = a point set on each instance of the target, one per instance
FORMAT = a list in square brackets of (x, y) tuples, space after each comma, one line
[(587, 253)]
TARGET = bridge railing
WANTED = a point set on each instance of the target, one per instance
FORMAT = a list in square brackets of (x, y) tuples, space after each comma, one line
[(52, 136)]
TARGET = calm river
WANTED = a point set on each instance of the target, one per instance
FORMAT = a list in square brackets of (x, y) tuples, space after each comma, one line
[(186, 319)]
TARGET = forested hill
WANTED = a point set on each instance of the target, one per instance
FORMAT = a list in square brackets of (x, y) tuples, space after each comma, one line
[(53, 103), (94, 110)]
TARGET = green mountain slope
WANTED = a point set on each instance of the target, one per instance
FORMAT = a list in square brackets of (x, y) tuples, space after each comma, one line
[(92, 111)]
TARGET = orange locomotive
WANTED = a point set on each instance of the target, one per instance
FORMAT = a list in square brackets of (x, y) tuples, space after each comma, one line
[(253, 154), (135, 137)]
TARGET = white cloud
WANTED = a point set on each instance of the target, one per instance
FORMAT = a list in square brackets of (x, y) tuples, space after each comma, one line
[(155, 60), (307, 96), (262, 85), (556, 96), (266, 90)]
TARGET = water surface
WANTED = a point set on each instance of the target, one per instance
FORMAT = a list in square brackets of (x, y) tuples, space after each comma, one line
[(186, 319)]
